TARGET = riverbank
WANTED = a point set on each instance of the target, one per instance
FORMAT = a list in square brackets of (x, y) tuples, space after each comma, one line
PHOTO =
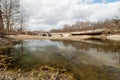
[(6, 42), (81, 37), (20, 37)]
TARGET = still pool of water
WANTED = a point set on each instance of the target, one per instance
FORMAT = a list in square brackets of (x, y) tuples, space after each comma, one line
[(87, 60)]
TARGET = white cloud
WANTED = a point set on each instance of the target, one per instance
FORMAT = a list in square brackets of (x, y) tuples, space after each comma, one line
[(48, 14)]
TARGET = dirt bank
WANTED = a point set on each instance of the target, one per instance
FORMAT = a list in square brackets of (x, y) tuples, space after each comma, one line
[(6, 42)]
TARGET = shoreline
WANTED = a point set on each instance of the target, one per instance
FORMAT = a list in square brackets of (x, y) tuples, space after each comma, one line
[(115, 37), (7, 42), (82, 37)]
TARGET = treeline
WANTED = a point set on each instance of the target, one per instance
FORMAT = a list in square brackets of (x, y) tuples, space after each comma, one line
[(11, 16), (112, 25)]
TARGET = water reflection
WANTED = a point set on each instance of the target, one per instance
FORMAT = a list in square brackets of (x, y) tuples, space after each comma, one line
[(106, 46), (108, 53), (106, 49), (83, 58)]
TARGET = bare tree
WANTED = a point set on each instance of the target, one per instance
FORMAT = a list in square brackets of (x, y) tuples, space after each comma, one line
[(11, 12), (1, 20), (22, 20)]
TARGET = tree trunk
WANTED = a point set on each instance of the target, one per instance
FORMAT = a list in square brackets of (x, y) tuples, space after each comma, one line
[(1, 20)]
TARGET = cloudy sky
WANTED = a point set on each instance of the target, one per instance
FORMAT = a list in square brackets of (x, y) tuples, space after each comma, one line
[(49, 14)]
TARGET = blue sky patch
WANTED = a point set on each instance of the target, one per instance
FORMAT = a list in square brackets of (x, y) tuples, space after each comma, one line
[(107, 1)]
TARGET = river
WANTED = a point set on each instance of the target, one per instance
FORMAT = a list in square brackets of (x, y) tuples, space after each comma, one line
[(87, 59)]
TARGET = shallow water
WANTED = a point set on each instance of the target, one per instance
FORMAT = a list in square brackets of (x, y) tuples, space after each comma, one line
[(87, 60)]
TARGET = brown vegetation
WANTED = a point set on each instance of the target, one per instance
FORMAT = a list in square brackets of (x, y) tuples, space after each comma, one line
[(41, 73), (111, 25)]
